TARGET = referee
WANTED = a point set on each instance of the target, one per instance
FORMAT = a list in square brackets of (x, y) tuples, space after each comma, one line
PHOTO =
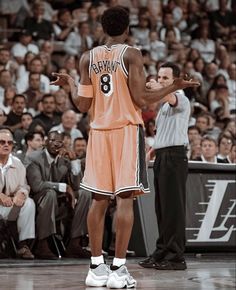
[(170, 174)]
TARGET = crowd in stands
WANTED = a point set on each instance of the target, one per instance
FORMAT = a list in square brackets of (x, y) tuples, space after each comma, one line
[(41, 37)]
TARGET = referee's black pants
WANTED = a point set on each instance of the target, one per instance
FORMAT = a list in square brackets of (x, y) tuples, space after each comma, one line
[(170, 175)]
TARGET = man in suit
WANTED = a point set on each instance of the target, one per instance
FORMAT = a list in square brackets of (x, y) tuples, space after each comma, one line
[(15, 204), (53, 178)]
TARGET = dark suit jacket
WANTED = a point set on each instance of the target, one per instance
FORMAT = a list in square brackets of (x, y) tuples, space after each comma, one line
[(40, 176)]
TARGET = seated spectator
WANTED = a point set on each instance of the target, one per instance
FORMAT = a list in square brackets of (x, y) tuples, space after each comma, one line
[(205, 45), (221, 21), (62, 102), (14, 117), (168, 23), (231, 158), (33, 93), (193, 133), (141, 32), (78, 42), (53, 180), (213, 130), (80, 146), (6, 62), (48, 115), (202, 123), (9, 95), (150, 127), (15, 205), (68, 125), (231, 83), (195, 149), (35, 66), (2, 117), (225, 144), (19, 134), (209, 151), (210, 73), (36, 25), (230, 129), (64, 24), (37, 126), (6, 81), (157, 48), (25, 66), (24, 45), (33, 141)]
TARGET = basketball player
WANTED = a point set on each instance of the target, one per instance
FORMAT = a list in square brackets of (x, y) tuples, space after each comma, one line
[(112, 86)]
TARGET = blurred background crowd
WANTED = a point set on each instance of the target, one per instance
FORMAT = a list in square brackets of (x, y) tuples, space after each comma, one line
[(41, 37)]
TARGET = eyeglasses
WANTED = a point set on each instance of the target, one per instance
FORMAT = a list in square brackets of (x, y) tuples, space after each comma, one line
[(9, 142)]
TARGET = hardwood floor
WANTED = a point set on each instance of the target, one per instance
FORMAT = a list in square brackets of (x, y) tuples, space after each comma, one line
[(205, 272)]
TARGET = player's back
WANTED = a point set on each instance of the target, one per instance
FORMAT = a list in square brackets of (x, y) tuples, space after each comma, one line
[(112, 105)]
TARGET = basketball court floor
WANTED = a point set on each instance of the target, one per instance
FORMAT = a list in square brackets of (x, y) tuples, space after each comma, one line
[(208, 271)]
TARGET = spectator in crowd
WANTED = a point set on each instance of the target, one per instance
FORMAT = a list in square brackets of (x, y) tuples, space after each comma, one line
[(33, 141), (157, 48), (230, 129), (225, 144), (68, 125), (168, 24), (38, 27), (231, 83), (64, 25), (33, 93), (78, 42), (193, 133), (53, 180), (205, 45), (202, 123), (150, 129), (221, 21), (5, 83), (2, 117), (210, 73), (48, 115), (14, 117), (141, 32), (35, 66), (15, 204), (24, 45), (231, 158), (171, 164), (195, 149), (25, 66), (62, 102), (209, 151), (9, 94), (80, 146), (6, 62), (19, 134)]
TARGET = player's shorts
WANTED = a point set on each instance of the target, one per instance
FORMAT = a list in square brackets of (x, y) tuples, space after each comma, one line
[(115, 161)]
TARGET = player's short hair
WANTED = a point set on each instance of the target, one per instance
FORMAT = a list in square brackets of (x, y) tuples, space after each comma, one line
[(115, 21)]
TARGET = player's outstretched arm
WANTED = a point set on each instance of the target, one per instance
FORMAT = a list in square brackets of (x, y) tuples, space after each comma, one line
[(83, 102), (137, 81)]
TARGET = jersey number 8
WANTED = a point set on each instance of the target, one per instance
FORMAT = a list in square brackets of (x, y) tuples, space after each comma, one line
[(106, 84)]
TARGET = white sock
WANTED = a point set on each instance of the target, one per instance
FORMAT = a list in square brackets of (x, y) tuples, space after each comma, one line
[(118, 262), (97, 260)]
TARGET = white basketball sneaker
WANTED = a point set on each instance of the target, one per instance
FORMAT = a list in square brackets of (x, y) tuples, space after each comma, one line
[(97, 275), (120, 278)]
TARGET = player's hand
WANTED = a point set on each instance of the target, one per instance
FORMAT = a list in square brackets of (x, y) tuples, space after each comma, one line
[(181, 83), (153, 84), (61, 79)]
